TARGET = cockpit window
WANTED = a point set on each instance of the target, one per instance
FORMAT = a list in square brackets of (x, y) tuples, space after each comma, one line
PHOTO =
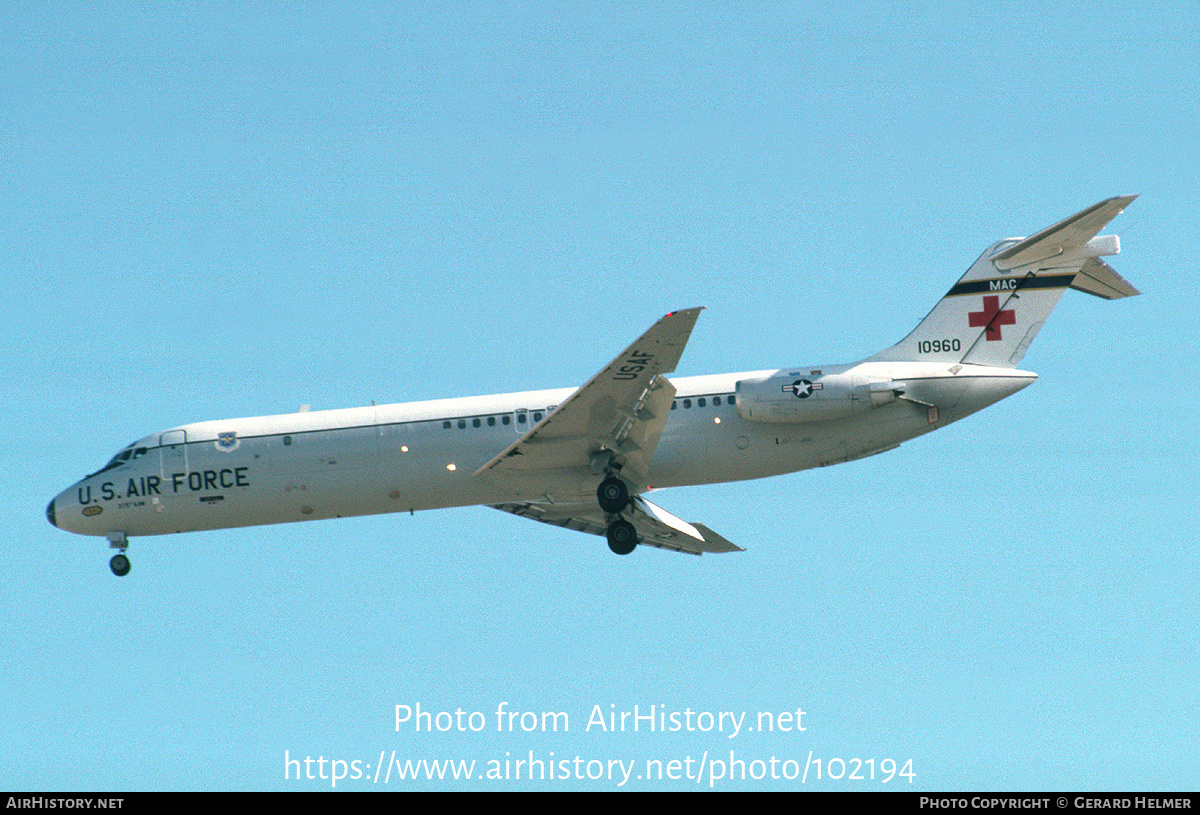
[(130, 453)]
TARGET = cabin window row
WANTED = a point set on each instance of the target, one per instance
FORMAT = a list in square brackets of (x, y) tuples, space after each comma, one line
[(522, 417), (504, 419), (703, 401)]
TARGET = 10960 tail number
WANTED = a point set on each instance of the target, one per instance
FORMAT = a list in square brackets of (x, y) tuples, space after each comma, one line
[(938, 346)]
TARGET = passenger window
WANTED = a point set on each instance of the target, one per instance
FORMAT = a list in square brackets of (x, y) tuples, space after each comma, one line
[(474, 423), (700, 402), (687, 403), (462, 424), (491, 421)]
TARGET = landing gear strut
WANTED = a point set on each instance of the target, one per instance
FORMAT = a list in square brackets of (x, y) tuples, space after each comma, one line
[(119, 564)]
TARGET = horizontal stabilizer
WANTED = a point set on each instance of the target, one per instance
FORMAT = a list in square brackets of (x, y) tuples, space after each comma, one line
[(1064, 238), (1098, 278)]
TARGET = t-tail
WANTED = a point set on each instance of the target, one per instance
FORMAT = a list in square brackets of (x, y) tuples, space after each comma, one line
[(993, 313)]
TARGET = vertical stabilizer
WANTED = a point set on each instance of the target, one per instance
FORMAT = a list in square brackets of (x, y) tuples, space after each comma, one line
[(992, 314)]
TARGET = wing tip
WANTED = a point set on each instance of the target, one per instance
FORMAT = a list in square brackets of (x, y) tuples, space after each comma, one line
[(718, 543)]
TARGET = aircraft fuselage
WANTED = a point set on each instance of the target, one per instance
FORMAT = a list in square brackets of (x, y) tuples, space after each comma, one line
[(424, 455)]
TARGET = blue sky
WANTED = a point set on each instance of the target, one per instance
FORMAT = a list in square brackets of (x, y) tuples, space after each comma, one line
[(218, 210)]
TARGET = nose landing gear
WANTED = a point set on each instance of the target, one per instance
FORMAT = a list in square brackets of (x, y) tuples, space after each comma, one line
[(120, 563)]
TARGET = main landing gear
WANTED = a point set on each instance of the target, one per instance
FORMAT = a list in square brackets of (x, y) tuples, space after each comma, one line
[(613, 497), (622, 537), (120, 563)]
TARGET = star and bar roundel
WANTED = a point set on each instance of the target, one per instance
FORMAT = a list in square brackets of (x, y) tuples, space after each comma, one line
[(803, 388)]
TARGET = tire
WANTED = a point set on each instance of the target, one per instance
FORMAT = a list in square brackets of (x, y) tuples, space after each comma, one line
[(622, 537), (120, 565), (612, 495)]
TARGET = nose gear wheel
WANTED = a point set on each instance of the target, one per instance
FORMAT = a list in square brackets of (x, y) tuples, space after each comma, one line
[(120, 565)]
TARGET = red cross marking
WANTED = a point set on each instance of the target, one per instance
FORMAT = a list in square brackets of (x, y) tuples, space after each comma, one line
[(992, 317)]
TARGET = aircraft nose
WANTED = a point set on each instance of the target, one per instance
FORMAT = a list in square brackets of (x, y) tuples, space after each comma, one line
[(50, 512)]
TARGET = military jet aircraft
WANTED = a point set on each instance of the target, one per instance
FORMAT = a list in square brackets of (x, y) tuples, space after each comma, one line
[(584, 458)]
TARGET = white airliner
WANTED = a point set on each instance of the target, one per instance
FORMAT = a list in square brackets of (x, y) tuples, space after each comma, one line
[(583, 458)]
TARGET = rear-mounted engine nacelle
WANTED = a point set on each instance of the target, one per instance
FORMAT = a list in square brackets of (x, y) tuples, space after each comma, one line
[(812, 397)]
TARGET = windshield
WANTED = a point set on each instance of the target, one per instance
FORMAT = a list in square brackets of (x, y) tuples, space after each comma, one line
[(130, 453)]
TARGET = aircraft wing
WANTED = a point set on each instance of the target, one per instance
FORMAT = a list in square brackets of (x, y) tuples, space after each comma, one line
[(655, 526), (622, 409)]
